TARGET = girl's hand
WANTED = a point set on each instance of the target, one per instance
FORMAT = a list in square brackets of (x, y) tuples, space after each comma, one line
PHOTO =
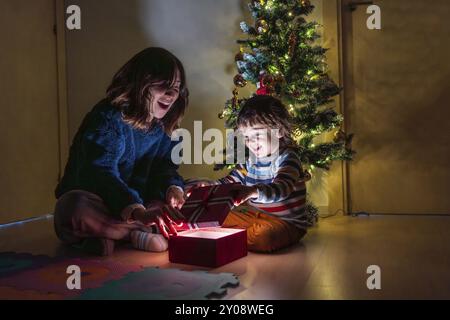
[(175, 197), (156, 214), (243, 193)]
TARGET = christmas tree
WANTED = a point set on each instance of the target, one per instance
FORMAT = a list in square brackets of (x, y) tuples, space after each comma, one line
[(281, 57)]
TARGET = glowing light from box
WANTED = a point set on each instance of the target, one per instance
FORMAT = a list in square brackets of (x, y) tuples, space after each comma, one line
[(209, 233)]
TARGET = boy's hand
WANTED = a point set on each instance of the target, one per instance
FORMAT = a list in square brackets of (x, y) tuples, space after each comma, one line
[(243, 193), (175, 197)]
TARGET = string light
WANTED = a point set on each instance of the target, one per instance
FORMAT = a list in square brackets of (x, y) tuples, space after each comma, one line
[(273, 69)]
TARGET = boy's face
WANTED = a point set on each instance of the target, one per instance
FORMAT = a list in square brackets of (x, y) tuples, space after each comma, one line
[(262, 141)]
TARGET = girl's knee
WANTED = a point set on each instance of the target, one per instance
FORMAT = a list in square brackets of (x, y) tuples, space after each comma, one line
[(70, 200), (68, 215), (65, 207)]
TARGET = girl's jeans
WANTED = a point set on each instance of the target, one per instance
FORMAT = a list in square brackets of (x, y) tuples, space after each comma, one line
[(80, 214)]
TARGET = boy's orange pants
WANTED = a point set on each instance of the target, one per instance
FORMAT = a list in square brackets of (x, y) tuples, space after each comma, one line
[(265, 233)]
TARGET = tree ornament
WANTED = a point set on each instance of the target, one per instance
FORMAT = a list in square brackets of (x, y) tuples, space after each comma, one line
[(221, 115), (239, 56), (265, 84), (262, 90), (239, 81), (261, 26)]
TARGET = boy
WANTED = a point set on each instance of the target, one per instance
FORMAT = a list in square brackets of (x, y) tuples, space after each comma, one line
[(271, 180)]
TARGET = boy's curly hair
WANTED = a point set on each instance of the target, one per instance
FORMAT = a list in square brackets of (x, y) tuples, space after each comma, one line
[(270, 112)]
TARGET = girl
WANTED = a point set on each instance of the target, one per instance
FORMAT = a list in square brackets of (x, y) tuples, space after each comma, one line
[(119, 170)]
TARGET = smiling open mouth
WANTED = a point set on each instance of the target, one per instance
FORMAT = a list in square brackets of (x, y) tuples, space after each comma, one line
[(163, 105)]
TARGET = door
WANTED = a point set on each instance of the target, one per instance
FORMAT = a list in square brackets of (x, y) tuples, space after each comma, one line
[(29, 147), (397, 82)]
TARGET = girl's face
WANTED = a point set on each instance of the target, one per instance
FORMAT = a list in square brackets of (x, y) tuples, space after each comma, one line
[(163, 96), (261, 140)]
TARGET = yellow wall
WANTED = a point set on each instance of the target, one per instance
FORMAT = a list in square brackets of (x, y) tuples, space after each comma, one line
[(396, 101), (29, 146)]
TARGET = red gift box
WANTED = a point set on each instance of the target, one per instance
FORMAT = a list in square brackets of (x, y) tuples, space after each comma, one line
[(208, 247), (201, 241)]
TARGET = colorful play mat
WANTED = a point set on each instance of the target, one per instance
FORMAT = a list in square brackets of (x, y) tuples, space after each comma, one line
[(27, 276)]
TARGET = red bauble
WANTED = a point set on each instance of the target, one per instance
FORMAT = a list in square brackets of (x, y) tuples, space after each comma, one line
[(262, 91), (264, 85)]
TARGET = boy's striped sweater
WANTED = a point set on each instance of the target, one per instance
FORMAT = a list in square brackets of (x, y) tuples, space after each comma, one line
[(280, 184)]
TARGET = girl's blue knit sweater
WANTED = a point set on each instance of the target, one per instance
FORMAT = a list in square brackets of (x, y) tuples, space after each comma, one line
[(121, 164)]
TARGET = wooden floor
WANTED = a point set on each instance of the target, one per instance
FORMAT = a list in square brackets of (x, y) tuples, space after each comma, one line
[(412, 252)]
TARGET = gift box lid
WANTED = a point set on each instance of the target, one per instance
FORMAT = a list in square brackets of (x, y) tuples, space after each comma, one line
[(207, 206)]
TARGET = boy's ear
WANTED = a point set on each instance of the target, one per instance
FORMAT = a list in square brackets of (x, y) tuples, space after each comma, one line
[(279, 135)]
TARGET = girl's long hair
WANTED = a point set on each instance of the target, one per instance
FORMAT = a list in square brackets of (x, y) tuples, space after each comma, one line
[(130, 88)]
